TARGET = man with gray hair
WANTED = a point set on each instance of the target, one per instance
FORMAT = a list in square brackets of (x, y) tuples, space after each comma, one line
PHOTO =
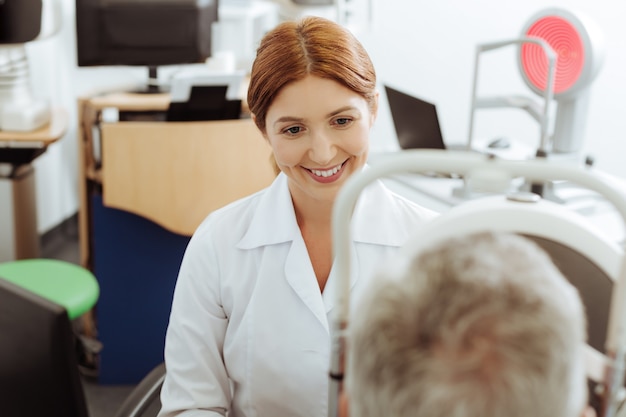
[(483, 325)]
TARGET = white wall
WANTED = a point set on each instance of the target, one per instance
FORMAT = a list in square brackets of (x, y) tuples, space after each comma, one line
[(425, 48)]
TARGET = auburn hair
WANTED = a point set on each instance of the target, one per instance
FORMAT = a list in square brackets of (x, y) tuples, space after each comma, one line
[(310, 46)]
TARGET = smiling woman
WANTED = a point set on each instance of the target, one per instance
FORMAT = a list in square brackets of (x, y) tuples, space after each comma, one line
[(319, 133), (248, 332)]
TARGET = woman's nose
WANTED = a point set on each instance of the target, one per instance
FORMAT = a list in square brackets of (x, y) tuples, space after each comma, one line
[(323, 149)]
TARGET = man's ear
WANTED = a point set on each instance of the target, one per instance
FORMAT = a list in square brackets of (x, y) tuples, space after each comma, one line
[(588, 411), (343, 404)]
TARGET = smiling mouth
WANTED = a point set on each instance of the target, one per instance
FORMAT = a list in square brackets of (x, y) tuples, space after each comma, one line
[(328, 172)]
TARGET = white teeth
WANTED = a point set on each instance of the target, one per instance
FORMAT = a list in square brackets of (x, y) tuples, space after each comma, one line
[(326, 173)]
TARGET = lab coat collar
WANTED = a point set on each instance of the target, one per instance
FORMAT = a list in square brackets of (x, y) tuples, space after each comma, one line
[(274, 219), (375, 219), (378, 218)]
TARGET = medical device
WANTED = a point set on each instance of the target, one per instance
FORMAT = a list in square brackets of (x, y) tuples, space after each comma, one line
[(560, 53), (23, 21), (579, 46), (604, 354)]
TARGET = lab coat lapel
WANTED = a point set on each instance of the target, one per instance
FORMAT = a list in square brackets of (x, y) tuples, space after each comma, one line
[(375, 222), (301, 277), (274, 222), (330, 291)]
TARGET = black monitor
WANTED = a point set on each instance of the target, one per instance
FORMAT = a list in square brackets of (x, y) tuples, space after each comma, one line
[(20, 21), (38, 367), (149, 33)]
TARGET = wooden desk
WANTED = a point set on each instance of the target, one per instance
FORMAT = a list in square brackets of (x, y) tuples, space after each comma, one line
[(173, 173), (131, 102), (19, 237)]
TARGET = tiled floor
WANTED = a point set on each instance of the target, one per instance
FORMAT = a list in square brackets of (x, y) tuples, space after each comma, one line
[(62, 243)]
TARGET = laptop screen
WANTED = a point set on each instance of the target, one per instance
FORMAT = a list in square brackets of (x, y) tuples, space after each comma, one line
[(415, 121)]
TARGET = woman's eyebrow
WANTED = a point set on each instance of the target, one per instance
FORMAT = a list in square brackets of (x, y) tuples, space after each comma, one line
[(341, 110), (292, 119), (288, 119)]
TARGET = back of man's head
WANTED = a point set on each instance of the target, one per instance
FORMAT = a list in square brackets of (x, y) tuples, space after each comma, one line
[(480, 326)]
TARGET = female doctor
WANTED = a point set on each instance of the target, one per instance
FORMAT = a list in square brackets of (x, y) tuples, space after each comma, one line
[(248, 333)]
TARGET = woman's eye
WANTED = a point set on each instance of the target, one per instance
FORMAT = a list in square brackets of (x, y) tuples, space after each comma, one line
[(342, 121), (294, 130)]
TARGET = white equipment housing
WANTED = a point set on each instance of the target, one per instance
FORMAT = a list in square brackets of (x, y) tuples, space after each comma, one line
[(551, 223), (20, 110)]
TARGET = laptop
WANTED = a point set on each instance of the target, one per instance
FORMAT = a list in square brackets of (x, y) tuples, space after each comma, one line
[(416, 122)]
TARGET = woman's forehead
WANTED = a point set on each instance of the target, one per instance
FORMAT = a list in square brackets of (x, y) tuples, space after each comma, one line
[(314, 96)]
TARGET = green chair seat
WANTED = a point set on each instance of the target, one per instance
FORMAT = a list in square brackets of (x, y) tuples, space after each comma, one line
[(64, 283)]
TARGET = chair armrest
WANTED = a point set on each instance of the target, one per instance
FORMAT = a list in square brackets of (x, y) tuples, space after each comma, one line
[(144, 394)]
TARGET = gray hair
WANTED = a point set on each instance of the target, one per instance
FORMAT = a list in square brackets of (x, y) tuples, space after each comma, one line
[(479, 326)]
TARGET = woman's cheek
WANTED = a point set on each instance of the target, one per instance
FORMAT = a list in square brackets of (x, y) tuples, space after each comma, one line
[(288, 153)]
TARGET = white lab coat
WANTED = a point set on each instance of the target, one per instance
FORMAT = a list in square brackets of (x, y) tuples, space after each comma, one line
[(248, 331)]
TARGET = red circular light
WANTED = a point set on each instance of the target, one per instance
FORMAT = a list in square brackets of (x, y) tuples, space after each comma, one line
[(566, 42)]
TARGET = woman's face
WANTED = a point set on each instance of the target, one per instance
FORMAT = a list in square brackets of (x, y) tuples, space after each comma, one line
[(319, 133)]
